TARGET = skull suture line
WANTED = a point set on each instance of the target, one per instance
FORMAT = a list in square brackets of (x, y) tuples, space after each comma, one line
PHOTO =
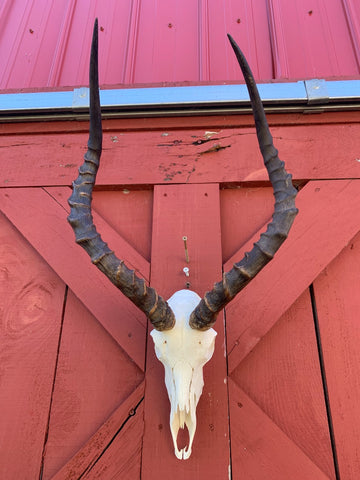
[(185, 319)]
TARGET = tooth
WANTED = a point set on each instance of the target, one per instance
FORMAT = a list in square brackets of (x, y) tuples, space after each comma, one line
[(186, 453)]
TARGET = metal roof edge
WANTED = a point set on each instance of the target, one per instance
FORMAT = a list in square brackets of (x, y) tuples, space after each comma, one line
[(185, 100)]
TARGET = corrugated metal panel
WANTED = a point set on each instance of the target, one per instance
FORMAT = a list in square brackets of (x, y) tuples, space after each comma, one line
[(46, 43)]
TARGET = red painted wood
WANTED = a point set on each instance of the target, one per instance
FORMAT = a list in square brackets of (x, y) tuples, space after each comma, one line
[(122, 460), (327, 210), (260, 448), (120, 433), (170, 123), (278, 373), (282, 376), (32, 299), (192, 211), (94, 376), (243, 212), (111, 223), (42, 223), (338, 307), (174, 156), (131, 216)]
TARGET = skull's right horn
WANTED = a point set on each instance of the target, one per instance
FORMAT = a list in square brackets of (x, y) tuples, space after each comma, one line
[(204, 315), (80, 218)]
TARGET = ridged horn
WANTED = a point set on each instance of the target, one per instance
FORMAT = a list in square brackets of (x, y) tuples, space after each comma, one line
[(81, 220), (204, 315)]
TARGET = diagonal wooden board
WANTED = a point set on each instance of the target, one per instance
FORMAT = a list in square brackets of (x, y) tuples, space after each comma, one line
[(43, 224), (120, 434), (260, 448), (194, 211), (327, 221), (93, 377), (338, 309), (132, 258)]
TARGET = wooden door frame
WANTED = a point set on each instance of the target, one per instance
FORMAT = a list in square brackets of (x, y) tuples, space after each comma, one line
[(335, 199)]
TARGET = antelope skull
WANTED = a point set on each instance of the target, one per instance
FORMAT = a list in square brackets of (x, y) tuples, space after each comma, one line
[(183, 337), (183, 351)]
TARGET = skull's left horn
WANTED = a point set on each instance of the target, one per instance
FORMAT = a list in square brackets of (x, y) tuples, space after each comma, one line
[(204, 315), (80, 218)]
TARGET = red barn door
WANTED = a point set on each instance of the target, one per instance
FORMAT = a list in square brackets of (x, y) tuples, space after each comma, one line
[(82, 394)]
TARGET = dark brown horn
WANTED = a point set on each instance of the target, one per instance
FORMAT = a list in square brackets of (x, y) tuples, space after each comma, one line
[(204, 316), (80, 218)]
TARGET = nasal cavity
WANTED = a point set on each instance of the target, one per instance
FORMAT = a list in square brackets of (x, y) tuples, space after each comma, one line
[(183, 438)]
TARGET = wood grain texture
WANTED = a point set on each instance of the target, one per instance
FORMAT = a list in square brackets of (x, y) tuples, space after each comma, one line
[(260, 448), (243, 212), (327, 211), (192, 211), (120, 435), (130, 216), (108, 220), (44, 224), (94, 376), (165, 124), (338, 308), (32, 299), (282, 376), (183, 156), (122, 460)]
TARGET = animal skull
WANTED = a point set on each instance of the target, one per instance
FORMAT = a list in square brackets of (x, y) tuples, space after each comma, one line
[(183, 351), (184, 339)]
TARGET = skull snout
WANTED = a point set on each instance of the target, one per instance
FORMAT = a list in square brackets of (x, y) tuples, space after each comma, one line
[(182, 377), (183, 406)]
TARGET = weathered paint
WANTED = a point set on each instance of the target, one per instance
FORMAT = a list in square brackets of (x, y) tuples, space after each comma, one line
[(64, 347), (183, 155)]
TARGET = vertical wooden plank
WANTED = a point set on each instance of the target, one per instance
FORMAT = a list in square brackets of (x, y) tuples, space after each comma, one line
[(194, 211), (338, 307), (31, 297), (282, 376)]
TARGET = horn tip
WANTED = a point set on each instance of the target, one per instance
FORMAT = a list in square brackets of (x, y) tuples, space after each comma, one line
[(231, 40)]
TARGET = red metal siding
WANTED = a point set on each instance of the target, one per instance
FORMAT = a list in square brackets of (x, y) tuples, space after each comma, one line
[(46, 44)]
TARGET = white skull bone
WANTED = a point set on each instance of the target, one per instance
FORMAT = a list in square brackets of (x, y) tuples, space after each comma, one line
[(183, 351)]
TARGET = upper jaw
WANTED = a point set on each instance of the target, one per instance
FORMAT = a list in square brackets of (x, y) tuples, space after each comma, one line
[(179, 419)]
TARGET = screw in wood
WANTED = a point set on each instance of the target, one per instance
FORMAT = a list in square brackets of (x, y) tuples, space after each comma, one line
[(186, 249)]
